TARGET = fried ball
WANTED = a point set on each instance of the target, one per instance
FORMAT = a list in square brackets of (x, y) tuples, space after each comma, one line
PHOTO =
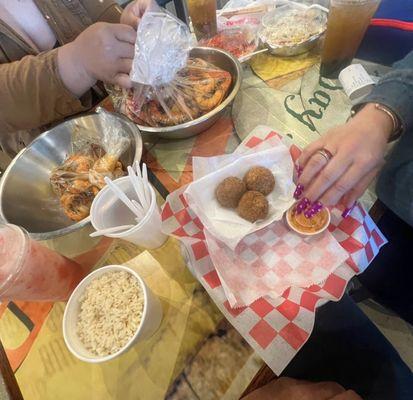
[(229, 192), (253, 206), (260, 179)]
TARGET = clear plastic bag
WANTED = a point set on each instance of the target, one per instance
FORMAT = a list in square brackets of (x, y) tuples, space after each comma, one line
[(77, 181), (170, 87)]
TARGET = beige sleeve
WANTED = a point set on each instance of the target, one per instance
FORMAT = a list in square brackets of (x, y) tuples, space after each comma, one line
[(32, 94)]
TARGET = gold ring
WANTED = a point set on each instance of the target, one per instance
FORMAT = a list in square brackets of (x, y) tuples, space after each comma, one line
[(326, 154)]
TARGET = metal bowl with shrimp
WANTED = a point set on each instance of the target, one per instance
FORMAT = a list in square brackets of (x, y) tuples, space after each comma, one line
[(26, 195), (222, 60)]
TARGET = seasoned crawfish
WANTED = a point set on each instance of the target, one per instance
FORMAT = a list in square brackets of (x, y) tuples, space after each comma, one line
[(77, 206), (198, 88), (78, 180)]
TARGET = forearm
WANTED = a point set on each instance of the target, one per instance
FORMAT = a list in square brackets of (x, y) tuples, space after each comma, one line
[(75, 78), (395, 91), (32, 93)]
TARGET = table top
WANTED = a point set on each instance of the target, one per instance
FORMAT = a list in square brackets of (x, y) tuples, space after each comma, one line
[(195, 353)]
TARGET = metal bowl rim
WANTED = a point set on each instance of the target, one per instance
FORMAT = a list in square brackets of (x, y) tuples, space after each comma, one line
[(78, 225), (203, 118)]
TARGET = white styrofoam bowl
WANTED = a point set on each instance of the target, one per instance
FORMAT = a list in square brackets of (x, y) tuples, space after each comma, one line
[(151, 317)]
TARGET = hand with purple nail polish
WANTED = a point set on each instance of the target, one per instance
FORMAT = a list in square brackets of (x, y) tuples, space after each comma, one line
[(355, 161)]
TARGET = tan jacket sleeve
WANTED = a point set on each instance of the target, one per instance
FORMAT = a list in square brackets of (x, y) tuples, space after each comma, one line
[(32, 94), (104, 10)]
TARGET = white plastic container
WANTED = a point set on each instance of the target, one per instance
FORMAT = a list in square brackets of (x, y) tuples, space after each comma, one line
[(108, 211), (151, 317)]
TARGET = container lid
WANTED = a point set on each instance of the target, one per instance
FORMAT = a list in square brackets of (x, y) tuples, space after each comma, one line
[(13, 249)]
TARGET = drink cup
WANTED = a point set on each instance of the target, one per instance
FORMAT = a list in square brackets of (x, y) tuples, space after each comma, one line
[(32, 272), (347, 23), (108, 211), (203, 15)]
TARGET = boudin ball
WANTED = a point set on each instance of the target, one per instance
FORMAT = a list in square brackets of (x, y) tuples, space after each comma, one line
[(230, 191), (253, 206), (260, 179)]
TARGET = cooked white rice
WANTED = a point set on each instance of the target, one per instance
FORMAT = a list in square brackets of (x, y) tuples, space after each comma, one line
[(110, 312)]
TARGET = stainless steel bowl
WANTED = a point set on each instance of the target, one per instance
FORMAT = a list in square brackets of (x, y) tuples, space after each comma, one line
[(290, 51), (223, 60), (26, 196)]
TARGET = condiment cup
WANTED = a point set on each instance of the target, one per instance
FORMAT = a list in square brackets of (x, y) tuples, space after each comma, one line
[(151, 317), (293, 228), (108, 211)]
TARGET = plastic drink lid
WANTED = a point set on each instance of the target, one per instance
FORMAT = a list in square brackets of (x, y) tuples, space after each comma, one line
[(13, 249)]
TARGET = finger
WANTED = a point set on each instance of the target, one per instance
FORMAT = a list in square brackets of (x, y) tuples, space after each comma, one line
[(124, 65), (123, 81), (344, 184), (348, 395), (358, 190), (124, 33), (309, 151), (125, 50), (132, 20), (319, 180)]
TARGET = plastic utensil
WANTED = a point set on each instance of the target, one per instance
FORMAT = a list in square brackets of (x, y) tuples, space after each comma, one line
[(103, 232)]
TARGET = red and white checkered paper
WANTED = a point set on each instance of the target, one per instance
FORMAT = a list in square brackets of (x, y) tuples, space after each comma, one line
[(276, 327)]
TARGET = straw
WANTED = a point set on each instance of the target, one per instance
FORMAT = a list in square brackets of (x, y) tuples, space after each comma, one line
[(114, 229), (122, 197), (139, 189)]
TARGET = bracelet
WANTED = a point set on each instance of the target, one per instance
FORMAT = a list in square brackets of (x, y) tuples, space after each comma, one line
[(397, 127)]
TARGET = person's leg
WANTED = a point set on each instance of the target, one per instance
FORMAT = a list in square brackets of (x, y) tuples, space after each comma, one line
[(389, 278), (347, 348)]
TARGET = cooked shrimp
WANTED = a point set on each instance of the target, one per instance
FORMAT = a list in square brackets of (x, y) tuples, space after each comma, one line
[(78, 163), (77, 206)]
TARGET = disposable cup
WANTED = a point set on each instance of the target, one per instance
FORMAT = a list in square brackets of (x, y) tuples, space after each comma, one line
[(108, 211)]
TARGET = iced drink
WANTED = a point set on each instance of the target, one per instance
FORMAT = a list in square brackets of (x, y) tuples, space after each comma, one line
[(203, 15), (348, 21), (32, 272)]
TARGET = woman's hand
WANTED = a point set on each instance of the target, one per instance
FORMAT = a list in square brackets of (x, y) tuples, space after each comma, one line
[(357, 150), (101, 52), (133, 12)]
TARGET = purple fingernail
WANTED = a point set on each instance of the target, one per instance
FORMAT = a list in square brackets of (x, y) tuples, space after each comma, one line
[(302, 205), (348, 211), (314, 209), (299, 170), (298, 191)]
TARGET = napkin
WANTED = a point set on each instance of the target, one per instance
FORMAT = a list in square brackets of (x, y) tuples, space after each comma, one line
[(271, 260), (224, 223)]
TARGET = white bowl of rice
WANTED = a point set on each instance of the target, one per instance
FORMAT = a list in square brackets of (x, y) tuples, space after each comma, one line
[(109, 311)]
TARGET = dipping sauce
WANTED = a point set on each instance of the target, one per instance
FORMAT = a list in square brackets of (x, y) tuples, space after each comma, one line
[(308, 226)]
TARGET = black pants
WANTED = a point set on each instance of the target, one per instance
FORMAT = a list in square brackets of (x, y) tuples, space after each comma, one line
[(390, 277), (346, 347)]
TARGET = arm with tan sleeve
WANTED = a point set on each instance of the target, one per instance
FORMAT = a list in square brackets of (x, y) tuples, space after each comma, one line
[(104, 11), (32, 93)]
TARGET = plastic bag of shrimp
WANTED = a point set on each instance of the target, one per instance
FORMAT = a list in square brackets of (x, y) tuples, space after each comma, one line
[(170, 86), (94, 155)]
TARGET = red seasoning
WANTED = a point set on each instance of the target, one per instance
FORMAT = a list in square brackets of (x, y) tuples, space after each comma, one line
[(238, 42)]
